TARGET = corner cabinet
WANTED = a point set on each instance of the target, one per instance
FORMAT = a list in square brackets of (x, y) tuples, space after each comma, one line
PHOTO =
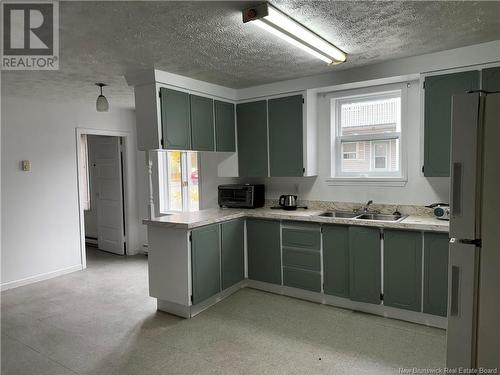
[(437, 118), (175, 119), (232, 252), (205, 262), (264, 250)]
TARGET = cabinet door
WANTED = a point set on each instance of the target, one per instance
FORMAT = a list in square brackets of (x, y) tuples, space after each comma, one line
[(436, 273), (403, 269), (264, 250), (336, 260), (233, 252), (224, 127), (202, 123), (364, 264), (205, 262), (437, 118), (285, 136), (252, 139), (175, 119), (491, 79)]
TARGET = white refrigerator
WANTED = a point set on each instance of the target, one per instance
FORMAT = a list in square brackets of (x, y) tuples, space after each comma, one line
[(473, 335)]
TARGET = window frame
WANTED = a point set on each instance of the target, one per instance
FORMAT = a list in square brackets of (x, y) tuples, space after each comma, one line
[(164, 207), (337, 177)]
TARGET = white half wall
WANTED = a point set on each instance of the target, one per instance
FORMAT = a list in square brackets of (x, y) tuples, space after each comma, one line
[(40, 212)]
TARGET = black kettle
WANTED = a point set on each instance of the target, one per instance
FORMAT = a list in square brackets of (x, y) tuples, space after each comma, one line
[(288, 202)]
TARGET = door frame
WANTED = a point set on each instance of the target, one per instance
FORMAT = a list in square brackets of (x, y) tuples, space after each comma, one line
[(126, 159)]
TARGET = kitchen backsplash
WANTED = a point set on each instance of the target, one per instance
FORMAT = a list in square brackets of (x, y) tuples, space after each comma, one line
[(351, 206)]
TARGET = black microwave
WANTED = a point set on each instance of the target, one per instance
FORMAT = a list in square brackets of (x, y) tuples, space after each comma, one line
[(241, 196)]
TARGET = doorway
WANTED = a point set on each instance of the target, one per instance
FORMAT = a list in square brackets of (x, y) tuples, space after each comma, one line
[(102, 191)]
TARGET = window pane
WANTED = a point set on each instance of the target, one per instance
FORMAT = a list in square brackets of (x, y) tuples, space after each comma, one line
[(371, 156), (192, 168), (174, 180), (375, 116)]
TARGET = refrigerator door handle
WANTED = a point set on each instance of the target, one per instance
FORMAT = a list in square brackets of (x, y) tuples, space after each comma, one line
[(455, 284), (456, 206)]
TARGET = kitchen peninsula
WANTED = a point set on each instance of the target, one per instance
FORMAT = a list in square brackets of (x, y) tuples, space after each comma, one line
[(396, 269)]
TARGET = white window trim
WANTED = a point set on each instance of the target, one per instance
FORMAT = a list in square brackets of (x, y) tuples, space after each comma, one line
[(377, 180), (163, 186)]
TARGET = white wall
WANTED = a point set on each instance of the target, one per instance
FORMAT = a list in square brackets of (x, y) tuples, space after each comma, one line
[(40, 210)]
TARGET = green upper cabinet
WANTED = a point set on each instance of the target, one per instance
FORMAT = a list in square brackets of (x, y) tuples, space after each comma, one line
[(175, 118), (224, 127), (437, 118), (285, 136), (336, 260), (264, 250), (364, 264), (491, 79), (403, 269), (252, 139), (435, 273), (232, 252), (202, 123), (205, 262)]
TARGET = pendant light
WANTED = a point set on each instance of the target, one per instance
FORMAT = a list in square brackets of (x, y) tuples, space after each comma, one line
[(101, 104)]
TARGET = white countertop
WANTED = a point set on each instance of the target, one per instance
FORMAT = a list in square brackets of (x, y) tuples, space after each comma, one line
[(190, 220)]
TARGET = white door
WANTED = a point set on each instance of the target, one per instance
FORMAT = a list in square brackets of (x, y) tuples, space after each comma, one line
[(108, 175)]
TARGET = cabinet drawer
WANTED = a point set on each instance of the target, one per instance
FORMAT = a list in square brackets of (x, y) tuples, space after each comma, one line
[(307, 259), (301, 238), (302, 279)]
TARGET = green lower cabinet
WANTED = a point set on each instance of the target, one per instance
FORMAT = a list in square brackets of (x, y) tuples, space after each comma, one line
[(364, 264), (403, 269), (305, 238), (205, 262), (336, 260), (303, 279), (232, 252), (264, 250), (435, 273)]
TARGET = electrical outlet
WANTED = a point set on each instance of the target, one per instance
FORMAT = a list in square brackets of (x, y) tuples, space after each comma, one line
[(25, 165)]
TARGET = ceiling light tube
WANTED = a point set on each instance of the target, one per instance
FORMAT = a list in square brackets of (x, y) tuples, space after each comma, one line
[(278, 23)]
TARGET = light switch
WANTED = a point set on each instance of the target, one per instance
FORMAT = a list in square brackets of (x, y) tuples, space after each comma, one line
[(25, 165)]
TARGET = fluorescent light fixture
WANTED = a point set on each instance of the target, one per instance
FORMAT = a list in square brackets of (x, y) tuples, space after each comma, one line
[(278, 23)]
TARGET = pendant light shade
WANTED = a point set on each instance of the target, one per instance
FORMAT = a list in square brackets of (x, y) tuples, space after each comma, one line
[(101, 104)]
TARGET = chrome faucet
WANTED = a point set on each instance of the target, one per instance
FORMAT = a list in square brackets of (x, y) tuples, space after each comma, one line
[(365, 208)]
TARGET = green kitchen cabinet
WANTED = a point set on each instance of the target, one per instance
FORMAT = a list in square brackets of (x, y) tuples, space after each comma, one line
[(303, 238), (224, 127), (364, 264), (175, 119), (202, 123), (437, 118), (490, 79), (252, 139), (302, 279), (264, 250), (403, 269), (435, 273), (232, 252), (336, 260), (285, 136), (205, 262)]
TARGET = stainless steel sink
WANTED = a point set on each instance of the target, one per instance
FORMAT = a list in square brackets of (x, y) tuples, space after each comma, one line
[(340, 214), (381, 217)]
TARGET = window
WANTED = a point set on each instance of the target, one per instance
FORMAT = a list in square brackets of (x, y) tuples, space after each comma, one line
[(178, 173), (367, 135)]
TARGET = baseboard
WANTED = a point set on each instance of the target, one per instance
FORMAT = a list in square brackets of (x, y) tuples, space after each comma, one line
[(40, 277)]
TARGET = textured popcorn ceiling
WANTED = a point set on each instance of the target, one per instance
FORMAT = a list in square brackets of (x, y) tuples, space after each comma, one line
[(100, 41)]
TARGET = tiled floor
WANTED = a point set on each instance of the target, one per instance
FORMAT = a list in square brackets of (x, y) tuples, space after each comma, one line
[(101, 321)]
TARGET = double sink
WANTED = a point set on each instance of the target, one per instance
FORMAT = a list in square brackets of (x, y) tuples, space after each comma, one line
[(364, 216)]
